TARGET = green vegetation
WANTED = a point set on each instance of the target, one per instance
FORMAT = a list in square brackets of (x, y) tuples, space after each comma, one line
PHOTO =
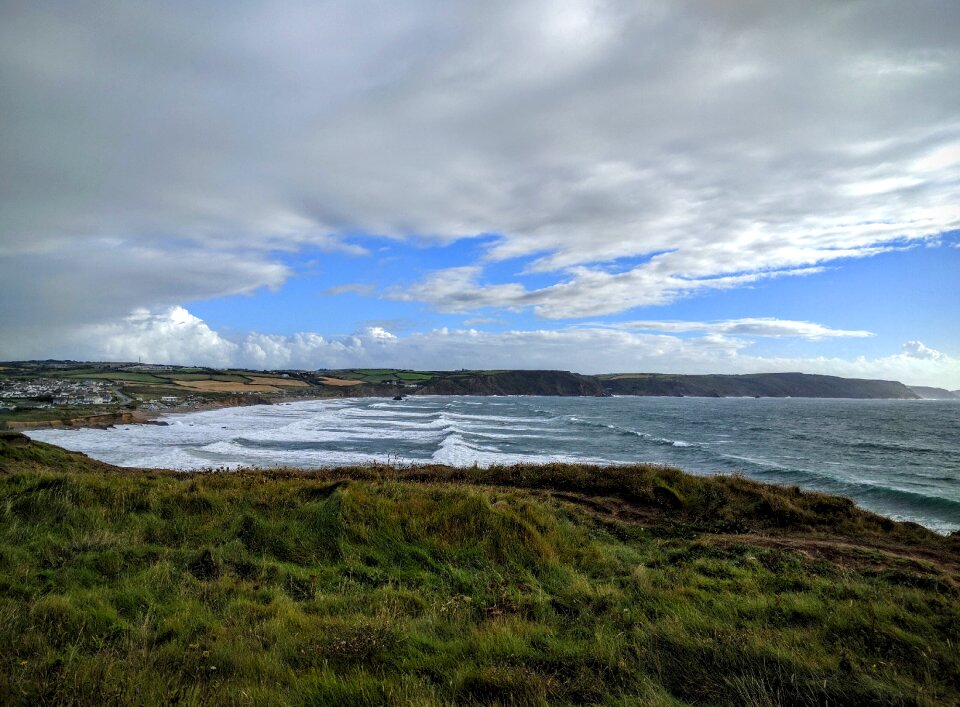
[(121, 376), (511, 585), (412, 376), (383, 375)]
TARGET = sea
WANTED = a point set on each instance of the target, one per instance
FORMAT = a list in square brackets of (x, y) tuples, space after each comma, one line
[(900, 458)]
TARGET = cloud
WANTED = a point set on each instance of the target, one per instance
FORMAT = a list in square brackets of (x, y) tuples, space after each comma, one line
[(587, 291), (722, 143), (101, 278), (918, 350), (173, 335), (758, 326), (167, 336), (355, 288)]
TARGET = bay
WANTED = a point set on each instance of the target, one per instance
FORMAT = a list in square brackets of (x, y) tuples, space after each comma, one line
[(899, 458)]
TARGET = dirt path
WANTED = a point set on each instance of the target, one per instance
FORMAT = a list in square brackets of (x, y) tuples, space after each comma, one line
[(865, 553), (858, 553)]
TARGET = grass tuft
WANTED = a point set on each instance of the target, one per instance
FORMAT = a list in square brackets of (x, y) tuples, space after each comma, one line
[(530, 585)]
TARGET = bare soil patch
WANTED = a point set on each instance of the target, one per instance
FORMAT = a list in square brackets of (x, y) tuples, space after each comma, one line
[(861, 555), (339, 381), (285, 382)]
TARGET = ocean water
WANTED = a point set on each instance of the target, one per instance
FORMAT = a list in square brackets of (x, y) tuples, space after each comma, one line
[(899, 458)]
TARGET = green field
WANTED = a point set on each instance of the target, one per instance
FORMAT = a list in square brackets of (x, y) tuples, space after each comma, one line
[(177, 376), (520, 585), (411, 376), (122, 376), (382, 375)]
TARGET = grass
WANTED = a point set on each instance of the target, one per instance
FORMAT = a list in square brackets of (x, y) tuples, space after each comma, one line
[(432, 585), (381, 375), (177, 376), (121, 376), (414, 376)]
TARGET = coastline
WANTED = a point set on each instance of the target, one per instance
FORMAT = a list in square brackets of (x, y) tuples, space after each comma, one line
[(692, 448), (105, 420), (139, 416)]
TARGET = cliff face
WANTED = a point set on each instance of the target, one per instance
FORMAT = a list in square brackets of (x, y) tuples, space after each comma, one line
[(765, 385), (516, 383)]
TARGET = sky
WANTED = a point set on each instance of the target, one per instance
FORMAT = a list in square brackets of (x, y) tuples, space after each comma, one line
[(674, 186)]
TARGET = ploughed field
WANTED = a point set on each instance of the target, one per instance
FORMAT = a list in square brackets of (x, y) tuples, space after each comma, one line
[(528, 584)]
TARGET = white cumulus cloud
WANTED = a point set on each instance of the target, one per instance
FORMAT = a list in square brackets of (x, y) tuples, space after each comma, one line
[(167, 336), (173, 335), (918, 350)]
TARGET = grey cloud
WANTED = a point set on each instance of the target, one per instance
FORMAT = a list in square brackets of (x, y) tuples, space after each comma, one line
[(90, 280), (586, 292), (356, 288), (756, 326), (736, 139)]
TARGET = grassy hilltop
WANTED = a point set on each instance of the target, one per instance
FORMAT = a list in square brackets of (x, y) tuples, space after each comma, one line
[(434, 585)]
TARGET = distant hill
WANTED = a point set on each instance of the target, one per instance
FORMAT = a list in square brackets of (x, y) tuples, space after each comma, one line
[(515, 383), (764, 385), (929, 393)]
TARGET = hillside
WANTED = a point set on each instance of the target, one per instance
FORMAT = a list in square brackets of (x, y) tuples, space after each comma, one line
[(434, 585), (390, 381), (515, 383), (772, 385)]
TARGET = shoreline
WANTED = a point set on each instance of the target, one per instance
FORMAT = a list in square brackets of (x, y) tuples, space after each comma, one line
[(106, 420)]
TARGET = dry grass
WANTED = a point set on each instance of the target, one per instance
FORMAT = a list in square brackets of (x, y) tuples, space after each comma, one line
[(226, 387), (339, 381), (285, 382)]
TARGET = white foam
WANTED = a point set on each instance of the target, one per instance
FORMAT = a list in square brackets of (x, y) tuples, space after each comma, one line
[(331, 432)]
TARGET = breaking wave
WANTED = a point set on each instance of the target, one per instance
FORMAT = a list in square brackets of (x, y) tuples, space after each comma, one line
[(893, 457)]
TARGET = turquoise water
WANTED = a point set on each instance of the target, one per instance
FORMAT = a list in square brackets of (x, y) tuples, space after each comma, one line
[(899, 458)]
